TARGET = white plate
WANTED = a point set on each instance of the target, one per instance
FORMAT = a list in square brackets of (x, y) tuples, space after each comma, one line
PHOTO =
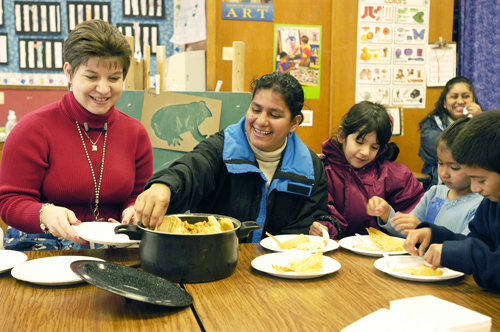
[(350, 241), (264, 263), (409, 261), (103, 233), (53, 271), (11, 258), (270, 244)]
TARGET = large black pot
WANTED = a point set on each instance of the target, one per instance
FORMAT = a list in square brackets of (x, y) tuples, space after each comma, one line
[(189, 257)]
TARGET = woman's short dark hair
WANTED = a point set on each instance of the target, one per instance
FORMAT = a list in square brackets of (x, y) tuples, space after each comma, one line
[(287, 86), (96, 38), (447, 137), (478, 143), (366, 117), (440, 111)]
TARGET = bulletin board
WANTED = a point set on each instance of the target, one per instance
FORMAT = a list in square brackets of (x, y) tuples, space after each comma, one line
[(32, 33)]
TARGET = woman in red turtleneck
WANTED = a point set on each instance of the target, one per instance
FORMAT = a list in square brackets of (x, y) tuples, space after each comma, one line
[(79, 159)]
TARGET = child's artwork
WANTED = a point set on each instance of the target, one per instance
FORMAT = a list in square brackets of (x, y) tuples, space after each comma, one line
[(177, 121), (298, 51)]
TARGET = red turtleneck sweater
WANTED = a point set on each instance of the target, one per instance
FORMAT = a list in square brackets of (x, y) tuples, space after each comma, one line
[(44, 161)]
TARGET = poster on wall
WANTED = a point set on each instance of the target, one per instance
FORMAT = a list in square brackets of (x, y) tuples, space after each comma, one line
[(32, 18), (144, 34), (40, 54), (297, 50), (144, 8), (248, 10), (392, 40), (1, 13), (4, 51), (79, 12)]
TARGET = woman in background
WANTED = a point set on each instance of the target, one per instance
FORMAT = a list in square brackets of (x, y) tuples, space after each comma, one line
[(457, 100), (79, 159)]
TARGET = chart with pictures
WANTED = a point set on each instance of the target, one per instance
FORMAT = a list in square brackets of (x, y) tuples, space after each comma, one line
[(392, 40)]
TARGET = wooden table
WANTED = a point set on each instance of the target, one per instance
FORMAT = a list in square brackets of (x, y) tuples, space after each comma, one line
[(248, 300), (84, 307)]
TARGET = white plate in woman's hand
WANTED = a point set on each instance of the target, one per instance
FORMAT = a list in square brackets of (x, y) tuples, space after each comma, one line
[(103, 232)]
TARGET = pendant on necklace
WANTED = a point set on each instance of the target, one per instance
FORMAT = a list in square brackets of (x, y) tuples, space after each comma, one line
[(94, 147)]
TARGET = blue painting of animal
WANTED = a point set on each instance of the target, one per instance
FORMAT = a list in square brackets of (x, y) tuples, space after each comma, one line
[(171, 121)]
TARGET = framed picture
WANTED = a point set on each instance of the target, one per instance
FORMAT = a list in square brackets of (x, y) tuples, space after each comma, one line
[(144, 8), (144, 34), (4, 50), (37, 54), (79, 12), (37, 18)]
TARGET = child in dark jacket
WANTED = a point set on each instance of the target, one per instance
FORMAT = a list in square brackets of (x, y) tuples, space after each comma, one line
[(358, 164), (477, 150)]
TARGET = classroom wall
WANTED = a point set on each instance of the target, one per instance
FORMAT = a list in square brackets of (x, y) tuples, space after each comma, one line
[(25, 101), (339, 21)]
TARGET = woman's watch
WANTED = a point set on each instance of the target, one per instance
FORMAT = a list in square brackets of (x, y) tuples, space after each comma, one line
[(44, 228)]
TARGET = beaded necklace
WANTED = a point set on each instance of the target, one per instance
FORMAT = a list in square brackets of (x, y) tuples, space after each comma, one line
[(97, 185)]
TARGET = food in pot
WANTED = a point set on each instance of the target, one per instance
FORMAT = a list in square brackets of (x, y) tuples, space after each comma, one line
[(313, 263), (422, 270), (173, 224), (382, 242)]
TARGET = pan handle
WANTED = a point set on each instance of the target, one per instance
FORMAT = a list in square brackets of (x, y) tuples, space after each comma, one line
[(132, 231), (246, 227)]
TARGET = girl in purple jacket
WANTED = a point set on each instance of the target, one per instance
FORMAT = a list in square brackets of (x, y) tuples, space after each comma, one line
[(359, 165)]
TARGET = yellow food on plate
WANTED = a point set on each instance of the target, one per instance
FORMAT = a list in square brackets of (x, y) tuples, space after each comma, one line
[(311, 264), (173, 224), (422, 270), (382, 242), (300, 242)]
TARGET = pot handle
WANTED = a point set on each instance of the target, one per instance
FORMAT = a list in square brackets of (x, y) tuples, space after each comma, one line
[(132, 231), (246, 227)]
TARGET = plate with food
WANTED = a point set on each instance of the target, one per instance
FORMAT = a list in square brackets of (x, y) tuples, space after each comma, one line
[(102, 232), (10, 259), (414, 268), (306, 243), (296, 264), (375, 244), (50, 271)]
